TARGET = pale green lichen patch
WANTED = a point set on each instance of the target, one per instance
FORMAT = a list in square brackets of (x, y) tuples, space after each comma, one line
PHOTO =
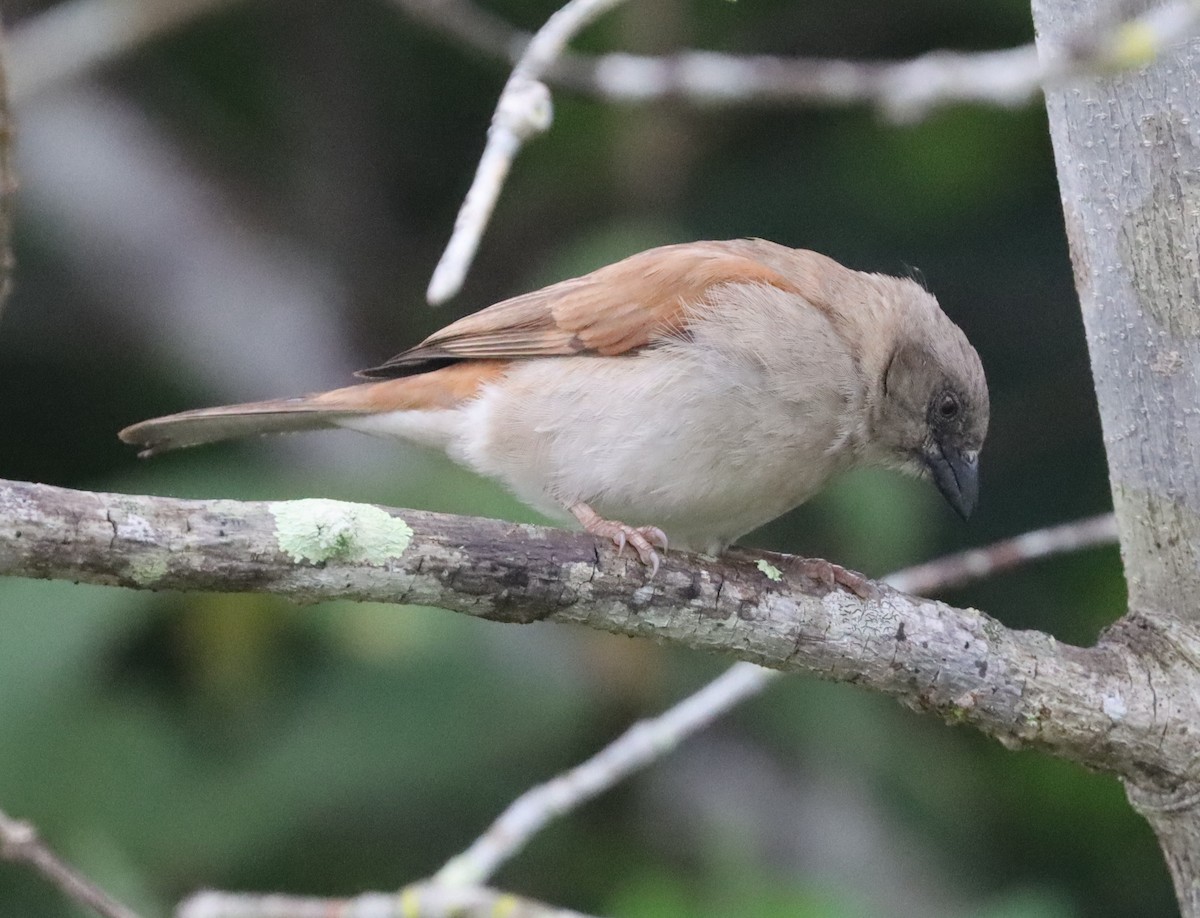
[(319, 530), (146, 572), (772, 572)]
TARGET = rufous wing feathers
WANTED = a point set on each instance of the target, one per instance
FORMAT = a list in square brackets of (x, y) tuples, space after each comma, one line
[(614, 310)]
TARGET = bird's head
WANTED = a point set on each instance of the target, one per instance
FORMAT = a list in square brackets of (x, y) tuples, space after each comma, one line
[(931, 408)]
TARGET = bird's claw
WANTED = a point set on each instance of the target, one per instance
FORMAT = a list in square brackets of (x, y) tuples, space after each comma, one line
[(830, 574), (644, 539)]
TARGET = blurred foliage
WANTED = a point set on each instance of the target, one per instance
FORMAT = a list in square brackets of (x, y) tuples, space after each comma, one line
[(166, 742)]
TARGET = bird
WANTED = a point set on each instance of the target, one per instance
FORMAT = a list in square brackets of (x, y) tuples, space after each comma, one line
[(681, 396)]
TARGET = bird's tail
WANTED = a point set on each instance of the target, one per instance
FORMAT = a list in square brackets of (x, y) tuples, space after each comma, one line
[(228, 422), (436, 390)]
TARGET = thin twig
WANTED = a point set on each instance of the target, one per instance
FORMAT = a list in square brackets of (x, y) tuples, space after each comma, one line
[(645, 742), (20, 844), (422, 900), (979, 563), (524, 110), (652, 739), (70, 38)]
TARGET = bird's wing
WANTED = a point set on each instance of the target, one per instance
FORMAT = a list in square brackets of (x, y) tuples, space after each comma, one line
[(614, 310)]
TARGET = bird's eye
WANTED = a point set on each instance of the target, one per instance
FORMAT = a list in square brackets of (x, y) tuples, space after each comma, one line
[(948, 407)]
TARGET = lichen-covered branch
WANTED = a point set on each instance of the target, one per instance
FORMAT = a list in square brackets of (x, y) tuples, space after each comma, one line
[(1095, 706)]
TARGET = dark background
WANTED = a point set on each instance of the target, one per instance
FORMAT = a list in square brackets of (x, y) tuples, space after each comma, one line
[(252, 207)]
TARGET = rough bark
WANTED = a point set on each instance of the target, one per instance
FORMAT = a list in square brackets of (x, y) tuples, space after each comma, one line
[(1128, 154), (1096, 706)]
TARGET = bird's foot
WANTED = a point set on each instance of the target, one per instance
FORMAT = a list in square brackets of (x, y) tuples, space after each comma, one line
[(644, 539), (831, 575)]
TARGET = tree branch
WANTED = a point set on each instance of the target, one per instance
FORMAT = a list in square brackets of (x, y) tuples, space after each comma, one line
[(645, 742), (902, 90), (1095, 706), (977, 563), (19, 843), (421, 900)]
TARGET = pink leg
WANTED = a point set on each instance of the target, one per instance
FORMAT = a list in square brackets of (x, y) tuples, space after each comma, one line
[(642, 538)]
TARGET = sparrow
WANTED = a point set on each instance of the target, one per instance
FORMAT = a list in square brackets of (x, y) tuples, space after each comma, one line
[(691, 392)]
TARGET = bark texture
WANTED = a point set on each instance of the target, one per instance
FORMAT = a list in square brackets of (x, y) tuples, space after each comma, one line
[(1128, 154)]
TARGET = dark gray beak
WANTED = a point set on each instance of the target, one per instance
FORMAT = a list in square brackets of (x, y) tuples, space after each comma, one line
[(956, 474)]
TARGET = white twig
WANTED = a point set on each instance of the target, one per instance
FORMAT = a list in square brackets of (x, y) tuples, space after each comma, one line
[(650, 740), (902, 90), (70, 38), (523, 111), (643, 743), (20, 844), (423, 900), (979, 563)]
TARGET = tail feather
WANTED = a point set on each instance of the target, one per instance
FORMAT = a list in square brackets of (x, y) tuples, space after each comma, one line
[(436, 390), (228, 422)]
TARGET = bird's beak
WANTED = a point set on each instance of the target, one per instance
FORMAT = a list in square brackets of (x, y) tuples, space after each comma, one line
[(956, 473)]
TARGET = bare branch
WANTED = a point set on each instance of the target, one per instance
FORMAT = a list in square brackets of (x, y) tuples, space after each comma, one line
[(524, 110), (645, 742), (71, 38), (977, 563), (422, 900), (903, 90), (1094, 706), (20, 844)]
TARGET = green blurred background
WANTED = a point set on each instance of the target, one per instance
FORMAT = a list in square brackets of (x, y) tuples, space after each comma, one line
[(252, 207)]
